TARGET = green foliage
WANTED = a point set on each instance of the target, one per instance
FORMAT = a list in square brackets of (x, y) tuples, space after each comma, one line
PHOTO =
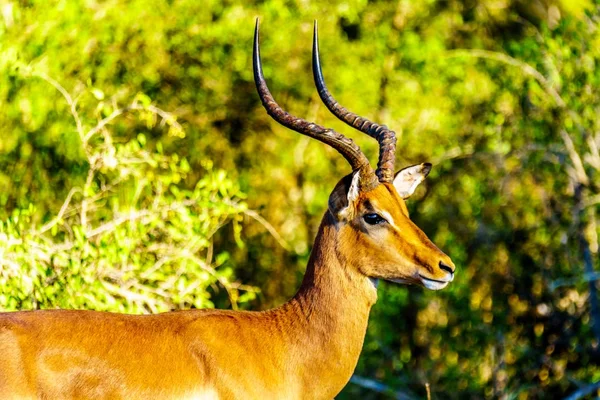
[(502, 97), (133, 238)]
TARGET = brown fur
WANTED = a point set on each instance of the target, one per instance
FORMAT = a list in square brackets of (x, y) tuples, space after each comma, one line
[(307, 348)]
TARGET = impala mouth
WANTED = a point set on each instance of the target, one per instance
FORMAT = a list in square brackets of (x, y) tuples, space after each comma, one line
[(403, 281), (435, 284), (429, 283)]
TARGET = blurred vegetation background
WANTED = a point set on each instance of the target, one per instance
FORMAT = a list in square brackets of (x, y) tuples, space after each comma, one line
[(139, 172)]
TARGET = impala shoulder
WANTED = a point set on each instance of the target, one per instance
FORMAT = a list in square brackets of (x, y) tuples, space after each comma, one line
[(13, 323)]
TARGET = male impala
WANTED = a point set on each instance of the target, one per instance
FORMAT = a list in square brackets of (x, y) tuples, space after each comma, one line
[(305, 349)]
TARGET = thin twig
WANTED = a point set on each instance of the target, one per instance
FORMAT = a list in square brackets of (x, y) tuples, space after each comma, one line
[(575, 158), (72, 103), (132, 297), (584, 391), (586, 277), (589, 270), (378, 387), (256, 216), (592, 201), (84, 202), (588, 264), (137, 215), (504, 58), (547, 86), (213, 272), (60, 214), (105, 121), (166, 116)]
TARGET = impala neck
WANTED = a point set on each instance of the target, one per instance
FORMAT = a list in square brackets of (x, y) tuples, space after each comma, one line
[(330, 311), (330, 276)]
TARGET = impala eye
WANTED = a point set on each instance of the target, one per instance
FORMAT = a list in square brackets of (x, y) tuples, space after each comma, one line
[(373, 219)]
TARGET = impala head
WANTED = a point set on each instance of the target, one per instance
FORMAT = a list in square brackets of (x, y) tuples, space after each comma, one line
[(375, 234)]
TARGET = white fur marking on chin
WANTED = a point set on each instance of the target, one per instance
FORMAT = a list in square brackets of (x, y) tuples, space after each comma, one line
[(433, 285)]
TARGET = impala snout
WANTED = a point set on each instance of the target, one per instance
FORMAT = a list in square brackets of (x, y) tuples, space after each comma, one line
[(443, 275), (446, 267)]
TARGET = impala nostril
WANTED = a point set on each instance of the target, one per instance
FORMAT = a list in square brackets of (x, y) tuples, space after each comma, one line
[(446, 267)]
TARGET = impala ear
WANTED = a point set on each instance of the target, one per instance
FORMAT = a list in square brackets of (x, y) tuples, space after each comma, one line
[(345, 193), (407, 179)]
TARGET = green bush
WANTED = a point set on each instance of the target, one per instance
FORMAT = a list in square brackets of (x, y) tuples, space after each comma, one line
[(133, 238)]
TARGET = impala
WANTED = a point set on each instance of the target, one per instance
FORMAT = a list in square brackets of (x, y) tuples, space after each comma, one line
[(305, 349)]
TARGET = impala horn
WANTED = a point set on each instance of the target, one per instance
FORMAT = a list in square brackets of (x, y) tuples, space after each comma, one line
[(383, 135), (346, 147)]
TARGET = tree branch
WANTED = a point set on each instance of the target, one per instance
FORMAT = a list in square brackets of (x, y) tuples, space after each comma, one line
[(72, 103), (588, 265), (378, 387), (586, 277), (584, 391), (506, 59)]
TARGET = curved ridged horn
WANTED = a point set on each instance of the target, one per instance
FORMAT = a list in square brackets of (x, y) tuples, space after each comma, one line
[(346, 147), (383, 135)]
